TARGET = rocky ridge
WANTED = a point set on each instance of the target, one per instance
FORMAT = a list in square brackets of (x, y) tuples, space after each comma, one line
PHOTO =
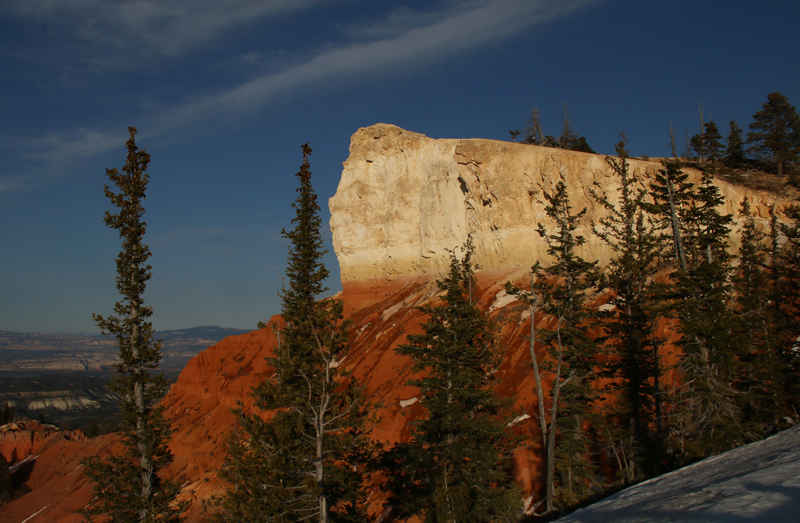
[(403, 200)]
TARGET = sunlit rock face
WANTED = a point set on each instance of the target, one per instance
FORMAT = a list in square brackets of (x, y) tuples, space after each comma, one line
[(405, 199)]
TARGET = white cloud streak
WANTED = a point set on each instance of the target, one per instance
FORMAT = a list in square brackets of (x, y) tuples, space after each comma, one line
[(413, 40), (152, 27), (482, 24)]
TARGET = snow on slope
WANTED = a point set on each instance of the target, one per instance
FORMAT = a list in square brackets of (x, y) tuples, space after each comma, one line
[(759, 482)]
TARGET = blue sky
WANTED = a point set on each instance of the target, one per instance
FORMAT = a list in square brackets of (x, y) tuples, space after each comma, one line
[(225, 93)]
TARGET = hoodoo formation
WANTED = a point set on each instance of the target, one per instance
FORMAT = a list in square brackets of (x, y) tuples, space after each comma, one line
[(403, 201)]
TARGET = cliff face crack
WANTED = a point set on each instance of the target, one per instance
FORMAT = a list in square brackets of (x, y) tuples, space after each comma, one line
[(463, 185)]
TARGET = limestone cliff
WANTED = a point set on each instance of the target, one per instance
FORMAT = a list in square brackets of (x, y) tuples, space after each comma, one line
[(404, 199)]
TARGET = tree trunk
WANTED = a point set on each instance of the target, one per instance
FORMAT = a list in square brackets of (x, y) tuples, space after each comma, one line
[(540, 398), (145, 461), (676, 226)]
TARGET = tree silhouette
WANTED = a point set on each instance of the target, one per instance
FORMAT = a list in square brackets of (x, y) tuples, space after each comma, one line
[(128, 487)]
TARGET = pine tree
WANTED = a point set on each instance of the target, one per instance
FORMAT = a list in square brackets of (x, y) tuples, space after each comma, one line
[(568, 139), (565, 286), (533, 132), (758, 383), (128, 487), (708, 418), (533, 300), (785, 298), (734, 152), (713, 145), (698, 144), (582, 146), (454, 466), (306, 461), (630, 326), (671, 193), (775, 132), (707, 144)]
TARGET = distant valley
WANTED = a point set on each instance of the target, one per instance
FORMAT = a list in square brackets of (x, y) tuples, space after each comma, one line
[(27, 352), (61, 378)]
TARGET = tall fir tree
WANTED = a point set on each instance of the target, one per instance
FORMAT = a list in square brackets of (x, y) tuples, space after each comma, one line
[(785, 298), (306, 461), (707, 144), (533, 300), (671, 193), (734, 152), (565, 286), (758, 382), (128, 487), (775, 132), (454, 468), (568, 139), (713, 145), (708, 418), (630, 326)]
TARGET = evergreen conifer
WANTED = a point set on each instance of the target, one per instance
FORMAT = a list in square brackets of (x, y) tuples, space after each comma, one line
[(128, 487), (306, 461), (786, 300), (671, 193), (708, 418), (734, 152), (631, 324), (454, 466), (775, 132), (707, 144), (758, 382), (565, 286)]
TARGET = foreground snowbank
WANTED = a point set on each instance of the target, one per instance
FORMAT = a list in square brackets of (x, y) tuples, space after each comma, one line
[(759, 482)]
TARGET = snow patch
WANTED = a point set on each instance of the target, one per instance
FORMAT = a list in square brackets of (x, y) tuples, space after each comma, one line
[(606, 307), (517, 420), (33, 515), (406, 403), (502, 299), (756, 482), (27, 459)]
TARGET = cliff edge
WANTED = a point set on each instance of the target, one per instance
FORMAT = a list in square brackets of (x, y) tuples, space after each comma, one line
[(404, 199)]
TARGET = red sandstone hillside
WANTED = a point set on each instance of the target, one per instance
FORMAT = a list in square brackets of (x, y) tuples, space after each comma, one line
[(403, 200)]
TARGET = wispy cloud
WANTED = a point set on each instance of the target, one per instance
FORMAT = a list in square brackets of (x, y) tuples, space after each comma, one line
[(400, 40), (55, 153), (453, 31), (150, 27), (79, 144)]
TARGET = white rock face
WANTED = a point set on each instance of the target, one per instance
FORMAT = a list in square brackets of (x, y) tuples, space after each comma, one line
[(405, 199)]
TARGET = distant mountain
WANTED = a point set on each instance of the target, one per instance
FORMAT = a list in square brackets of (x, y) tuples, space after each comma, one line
[(208, 332), (34, 352)]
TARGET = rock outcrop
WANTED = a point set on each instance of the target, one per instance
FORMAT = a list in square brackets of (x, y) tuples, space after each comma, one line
[(404, 199)]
